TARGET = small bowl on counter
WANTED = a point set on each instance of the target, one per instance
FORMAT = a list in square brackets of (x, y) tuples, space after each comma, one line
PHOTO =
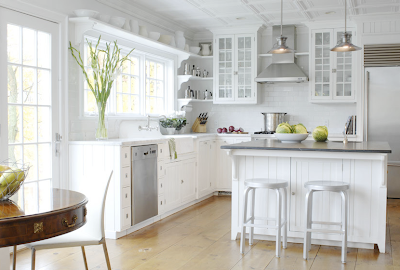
[(117, 21), (85, 13), (291, 137)]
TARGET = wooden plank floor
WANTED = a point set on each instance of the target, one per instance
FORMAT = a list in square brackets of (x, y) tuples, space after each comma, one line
[(199, 238)]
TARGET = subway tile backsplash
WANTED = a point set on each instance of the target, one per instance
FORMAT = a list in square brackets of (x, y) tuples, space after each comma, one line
[(290, 98)]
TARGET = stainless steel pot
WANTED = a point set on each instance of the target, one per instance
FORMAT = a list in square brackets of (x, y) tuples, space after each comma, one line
[(272, 120)]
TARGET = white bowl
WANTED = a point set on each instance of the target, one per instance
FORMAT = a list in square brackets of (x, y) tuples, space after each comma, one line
[(117, 21), (85, 13), (104, 18), (166, 39), (154, 35), (194, 50), (291, 137)]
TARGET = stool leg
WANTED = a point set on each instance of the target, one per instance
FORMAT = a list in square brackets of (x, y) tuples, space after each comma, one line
[(242, 238), (308, 226), (278, 222), (310, 214), (344, 224), (284, 206), (253, 203)]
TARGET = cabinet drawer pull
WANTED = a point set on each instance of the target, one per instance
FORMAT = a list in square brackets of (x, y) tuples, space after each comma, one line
[(126, 175), (65, 223), (161, 202), (126, 155), (181, 181), (161, 185), (161, 151), (160, 168), (126, 215), (293, 193), (126, 196)]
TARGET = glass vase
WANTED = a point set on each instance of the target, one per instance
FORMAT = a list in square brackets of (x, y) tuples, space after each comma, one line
[(101, 130)]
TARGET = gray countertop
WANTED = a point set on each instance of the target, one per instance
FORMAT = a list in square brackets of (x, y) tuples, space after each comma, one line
[(329, 146)]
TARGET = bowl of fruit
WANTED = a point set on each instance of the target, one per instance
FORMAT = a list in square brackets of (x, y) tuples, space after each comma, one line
[(12, 176), (231, 130), (291, 133)]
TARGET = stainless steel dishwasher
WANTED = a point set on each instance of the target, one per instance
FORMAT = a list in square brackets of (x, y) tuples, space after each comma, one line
[(144, 183)]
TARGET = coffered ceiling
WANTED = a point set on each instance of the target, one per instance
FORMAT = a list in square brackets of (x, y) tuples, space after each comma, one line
[(199, 15)]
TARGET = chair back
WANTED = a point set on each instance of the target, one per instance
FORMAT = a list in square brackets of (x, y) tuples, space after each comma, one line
[(95, 189)]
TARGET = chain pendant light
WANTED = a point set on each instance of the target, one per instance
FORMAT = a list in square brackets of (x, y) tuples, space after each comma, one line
[(344, 44), (280, 46)]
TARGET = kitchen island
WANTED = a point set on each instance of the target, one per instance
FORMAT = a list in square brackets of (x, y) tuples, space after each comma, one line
[(362, 164)]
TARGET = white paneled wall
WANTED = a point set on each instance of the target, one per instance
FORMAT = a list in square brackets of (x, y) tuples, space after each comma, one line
[(289, 98)]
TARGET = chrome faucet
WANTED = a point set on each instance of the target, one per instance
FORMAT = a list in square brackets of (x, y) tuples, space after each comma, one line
[(147, 127), (345, 140)]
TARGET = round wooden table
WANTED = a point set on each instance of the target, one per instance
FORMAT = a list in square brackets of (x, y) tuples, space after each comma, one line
[(60, 212)]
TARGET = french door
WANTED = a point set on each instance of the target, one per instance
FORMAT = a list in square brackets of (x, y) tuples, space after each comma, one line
[(29, 58)]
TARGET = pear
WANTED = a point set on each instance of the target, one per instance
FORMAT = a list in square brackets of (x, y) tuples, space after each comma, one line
[(3, 191), (3, 168), (10, 176)]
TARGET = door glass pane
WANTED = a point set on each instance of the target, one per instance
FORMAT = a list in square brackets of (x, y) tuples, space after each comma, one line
[(30, 108), (344, 73), (244, 67), (225, 62), (322, 63)]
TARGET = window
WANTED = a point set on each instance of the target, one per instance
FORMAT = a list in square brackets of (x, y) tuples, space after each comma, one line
[(140, 88)]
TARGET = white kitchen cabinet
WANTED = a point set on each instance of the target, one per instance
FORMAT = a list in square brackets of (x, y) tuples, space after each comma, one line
[(224, 163), (179, 183), (235, 67), (331, 73), (172, 184), (206, 169), (187, 175)]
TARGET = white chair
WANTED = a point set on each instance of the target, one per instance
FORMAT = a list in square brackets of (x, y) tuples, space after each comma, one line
[(280, 188), (332, 186), (92, 233)]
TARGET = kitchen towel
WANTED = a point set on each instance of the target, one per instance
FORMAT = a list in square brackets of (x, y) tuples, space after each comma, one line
[(172, 149)]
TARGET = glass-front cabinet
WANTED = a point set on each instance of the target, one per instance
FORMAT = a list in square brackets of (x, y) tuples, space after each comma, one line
[(235, 63), (331, 73)]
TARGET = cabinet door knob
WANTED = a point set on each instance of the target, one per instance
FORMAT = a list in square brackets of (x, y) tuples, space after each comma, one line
[(293, 193), (126, 195), (236, 73), (160, 168), (181, 181), (126, 175), (126, 155), (161, 185), (126, 215), (161, 202)]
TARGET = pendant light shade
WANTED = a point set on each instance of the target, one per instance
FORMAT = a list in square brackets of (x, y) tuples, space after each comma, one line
[(280, 45), (344, 44)]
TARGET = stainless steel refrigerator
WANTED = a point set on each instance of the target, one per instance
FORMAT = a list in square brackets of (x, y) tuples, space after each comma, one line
[(383, 117)]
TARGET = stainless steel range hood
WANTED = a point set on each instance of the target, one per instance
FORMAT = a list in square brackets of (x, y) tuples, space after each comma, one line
[(283, 68)]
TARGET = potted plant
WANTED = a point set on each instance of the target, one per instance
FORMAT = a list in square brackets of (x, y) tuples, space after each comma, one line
[(169, 124), (105, 65), (180, 124)]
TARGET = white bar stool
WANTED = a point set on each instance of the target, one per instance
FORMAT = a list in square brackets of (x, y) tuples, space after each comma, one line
[(280, 187), (333, 186)]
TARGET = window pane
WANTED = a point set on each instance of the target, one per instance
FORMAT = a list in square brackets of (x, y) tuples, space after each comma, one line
[(29, 86), (44, 92), (135, 104), (134, 85), (44, 195), (14, 124), (15, 153), (43, 50), (44, 126), (29, 124), (14, 84), (29, 47), (30, 156), (160, 71), (14, 43)]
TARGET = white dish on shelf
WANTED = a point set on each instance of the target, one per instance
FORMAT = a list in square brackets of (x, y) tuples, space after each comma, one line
[(166, 39), (117, 21), (154, 35), (85, 13), (194, 49), (291, 137), (104, 18)]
